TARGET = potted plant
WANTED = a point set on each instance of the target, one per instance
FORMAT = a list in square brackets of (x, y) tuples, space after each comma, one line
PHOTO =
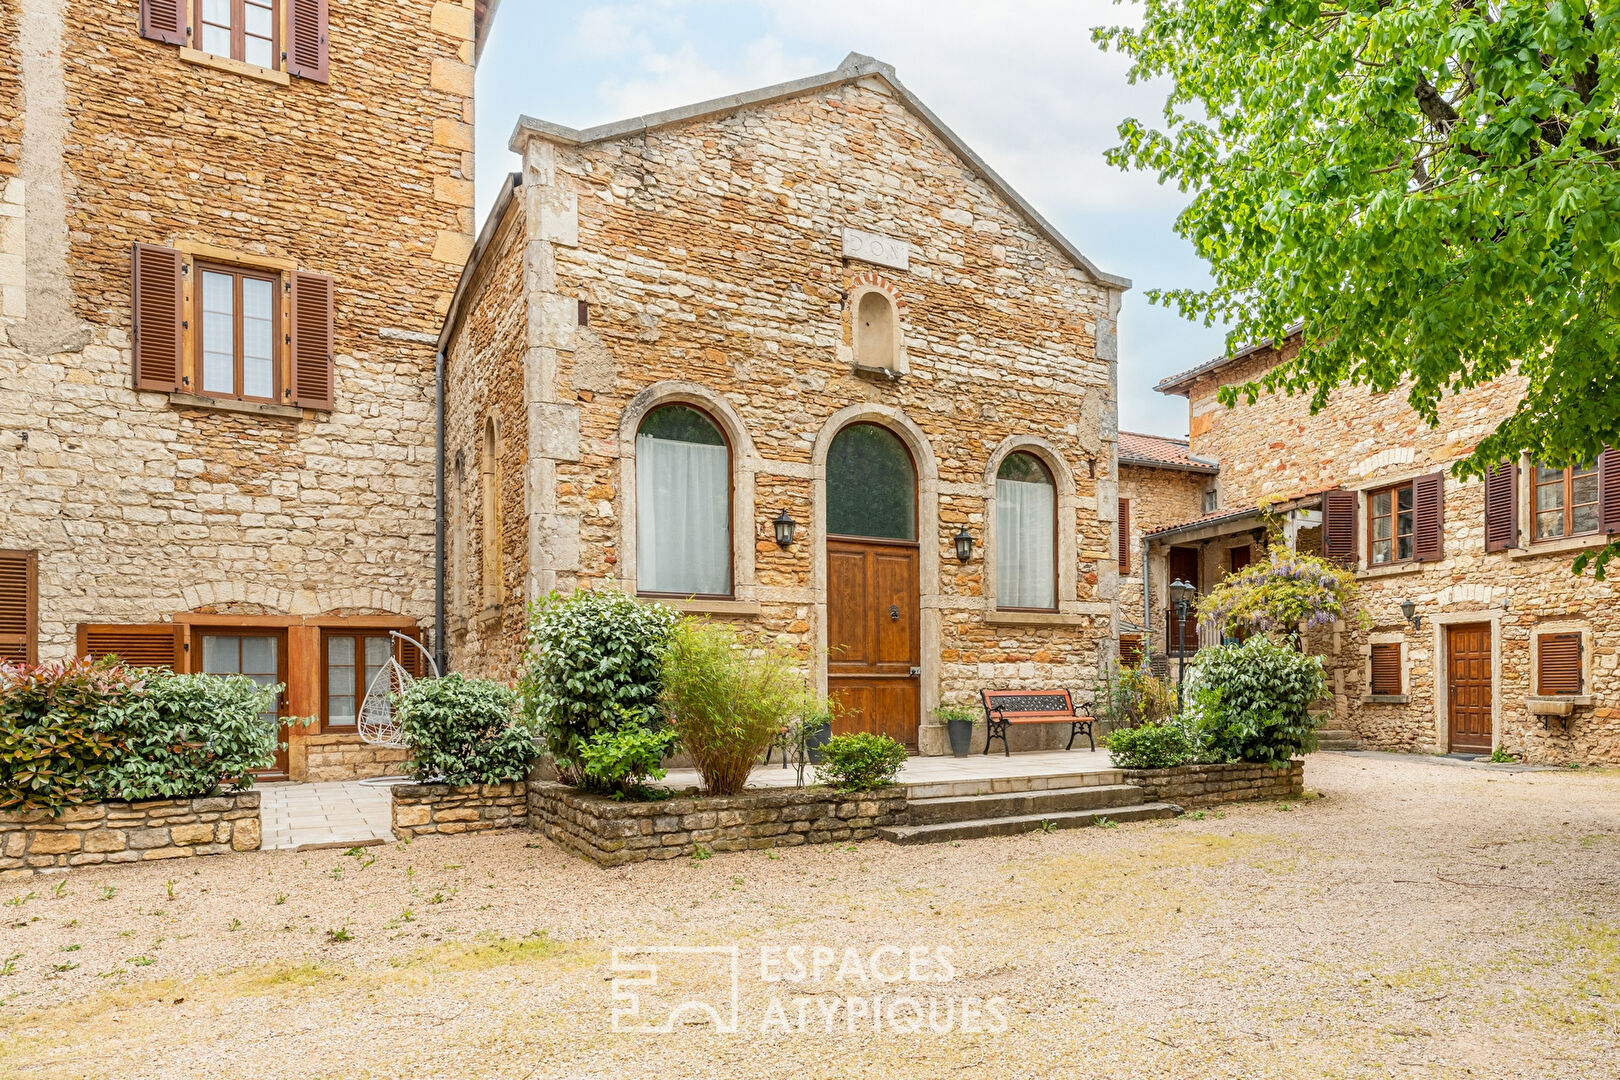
[(958, 721), (806, 735)]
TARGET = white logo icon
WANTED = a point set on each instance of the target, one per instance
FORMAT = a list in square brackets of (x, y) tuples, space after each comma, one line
[(683, 984)]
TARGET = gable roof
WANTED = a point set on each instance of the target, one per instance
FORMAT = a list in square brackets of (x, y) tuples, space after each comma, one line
[(1182, 383), (483, 17), (1159, 452), (855, 66)]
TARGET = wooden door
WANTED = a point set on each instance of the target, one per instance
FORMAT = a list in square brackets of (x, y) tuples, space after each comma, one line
[(1468, 665), (261, 655), (1183, 565), (874, 639)]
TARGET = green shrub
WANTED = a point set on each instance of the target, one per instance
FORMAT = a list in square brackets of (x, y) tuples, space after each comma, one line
[(727, 701), (860, 762), (1251, 702), (54, 738), (620, 762), (464, 731), (183, 736), (1150, 746), (946, 713), (594, 662), (1135, 696)]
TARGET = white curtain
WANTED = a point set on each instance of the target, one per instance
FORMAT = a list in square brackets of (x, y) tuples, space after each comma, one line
[(1025, 559), (683, 527)]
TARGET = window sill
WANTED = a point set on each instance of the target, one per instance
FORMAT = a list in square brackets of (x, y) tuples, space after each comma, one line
[(699, 606), (1386, 699), (235, 67), (1034, 618), (1561, 546), (1545, 705), (1389, 570), (252, 408), (490, 616)]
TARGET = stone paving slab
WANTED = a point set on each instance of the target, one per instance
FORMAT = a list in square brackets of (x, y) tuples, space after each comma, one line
[(330, 814)]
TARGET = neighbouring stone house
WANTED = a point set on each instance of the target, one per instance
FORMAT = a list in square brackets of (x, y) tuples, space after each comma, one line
[(1506, 647), (786, 358), (228, 236)]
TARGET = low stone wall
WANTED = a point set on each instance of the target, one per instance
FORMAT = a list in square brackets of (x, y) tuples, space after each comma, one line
[(1206, 785), (420, 809), (122, 832), (613, 833), (348, 757)]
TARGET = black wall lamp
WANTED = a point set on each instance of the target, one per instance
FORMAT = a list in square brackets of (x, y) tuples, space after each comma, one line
[(784, 526), (964, 544), (1409, 613)]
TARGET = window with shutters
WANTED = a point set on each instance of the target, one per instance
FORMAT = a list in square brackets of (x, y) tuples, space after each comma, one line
[(19, 607), (1125, 538), (1558, 664), (267, 39), (1131, 651), (1384, 675), (1389, 525), (245, 30), (1566, 502), (238, 320), (352, 663), (152, 645)]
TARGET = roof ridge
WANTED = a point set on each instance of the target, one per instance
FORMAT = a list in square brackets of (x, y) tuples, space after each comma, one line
[(1148, 435)]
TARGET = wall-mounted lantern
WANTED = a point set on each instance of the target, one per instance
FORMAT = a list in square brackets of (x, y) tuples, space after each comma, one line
[(784, 526), (1409, 613), (964, 544)]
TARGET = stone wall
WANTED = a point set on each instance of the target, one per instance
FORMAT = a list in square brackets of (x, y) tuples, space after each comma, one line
[(1206, 785), (121, 832), (420, 809), (1159, 497), (348, 757), (613, 833)]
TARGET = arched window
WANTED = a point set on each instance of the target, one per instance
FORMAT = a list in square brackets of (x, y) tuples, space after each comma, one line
[(683, 504), (1026, 534), (875, 331), (871, 485), (489, 484)]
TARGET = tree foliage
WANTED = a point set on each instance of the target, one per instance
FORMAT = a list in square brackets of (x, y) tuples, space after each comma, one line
[(1429, 186)]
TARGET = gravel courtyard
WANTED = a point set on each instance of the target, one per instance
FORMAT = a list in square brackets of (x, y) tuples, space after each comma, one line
[(1418, 919)]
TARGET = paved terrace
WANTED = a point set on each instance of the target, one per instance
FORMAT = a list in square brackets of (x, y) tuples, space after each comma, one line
[(976, 774)]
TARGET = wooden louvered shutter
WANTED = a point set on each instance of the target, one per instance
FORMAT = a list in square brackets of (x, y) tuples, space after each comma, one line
[(164, 20), (1386, 668), (137, 644), (1609, 486), (1125, 537), (307, 39), (1130, 650), (411, 658), (1501, 507), (19, 607), (1558, 664), (1339, 525), (1429, 517), (157, 318), (312, 341)]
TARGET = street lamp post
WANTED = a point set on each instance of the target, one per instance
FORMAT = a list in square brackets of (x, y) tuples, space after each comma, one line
[(1181, 594)]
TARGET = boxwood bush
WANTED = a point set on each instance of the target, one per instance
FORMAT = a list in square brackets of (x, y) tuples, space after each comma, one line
[(860, 762), (464, 731), (1149, 746), (1251, 701)]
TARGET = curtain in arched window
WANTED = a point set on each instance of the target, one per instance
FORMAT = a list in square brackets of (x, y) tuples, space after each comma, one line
[(683, 504), (1026, 534)]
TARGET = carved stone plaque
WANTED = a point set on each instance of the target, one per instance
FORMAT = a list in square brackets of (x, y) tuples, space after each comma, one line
[(872, 248)]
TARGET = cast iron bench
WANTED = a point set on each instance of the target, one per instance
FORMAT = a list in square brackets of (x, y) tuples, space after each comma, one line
[(1003, 707)]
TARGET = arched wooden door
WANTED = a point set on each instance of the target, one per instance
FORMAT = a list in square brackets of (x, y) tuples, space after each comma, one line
[(873, 606)]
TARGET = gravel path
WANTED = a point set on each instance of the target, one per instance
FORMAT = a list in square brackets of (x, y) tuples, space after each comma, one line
[(1417, 920)]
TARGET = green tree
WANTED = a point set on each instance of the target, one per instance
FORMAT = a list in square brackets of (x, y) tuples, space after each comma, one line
[(1430, 186)]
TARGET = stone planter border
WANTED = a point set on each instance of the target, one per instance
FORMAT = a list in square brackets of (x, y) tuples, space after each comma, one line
[(421, 809), (1206, 785), (93, 834)]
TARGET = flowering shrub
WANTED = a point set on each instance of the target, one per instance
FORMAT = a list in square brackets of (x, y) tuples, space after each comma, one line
[(1251, 702), (1277, 594)]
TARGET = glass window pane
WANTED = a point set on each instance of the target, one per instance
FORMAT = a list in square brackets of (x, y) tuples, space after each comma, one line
[(1380, 551), (216, 40), (1381, 527), (683, 510), (340, 710), (871, 485), (256, 18), (1403, 498), (1585, 488), (1403, 546), (219, 333), (340, 678), (256, 50), (217, 11), (1550, 496), (1549, 524), (1025, 531), (678, 423), (1024, 468), (259, 656), (1584, 519), (258, 350), (221, 654), (1380, 504), (378, 650), (339, 669)]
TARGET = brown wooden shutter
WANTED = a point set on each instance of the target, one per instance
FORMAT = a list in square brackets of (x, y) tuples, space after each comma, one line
[(1429, 517), (307, 39), (1130, 650), (19, 607), (1125, 537), (1386, 668), (1609, 485), (1339, 525), (136, 644), (1558, 664), (1501, 507), (157, 318), (312, 341), (164, 20)]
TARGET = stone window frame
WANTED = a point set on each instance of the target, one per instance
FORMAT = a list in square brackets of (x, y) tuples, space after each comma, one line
[(1525, 546), (745, 464), (1396, 638), (868, 284), (490, 570), (1440, 680), (1393, 491), (1363, 566), (1533, 674), (1067, 526)]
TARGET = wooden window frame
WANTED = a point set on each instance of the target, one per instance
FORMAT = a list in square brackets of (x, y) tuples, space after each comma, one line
[(361, 687), (1567, 506), (1393, 491), (239, 32), (278, 316), (731, 502)]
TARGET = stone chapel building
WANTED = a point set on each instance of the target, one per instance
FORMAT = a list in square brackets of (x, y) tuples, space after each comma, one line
[(229, 234), (800, 359)]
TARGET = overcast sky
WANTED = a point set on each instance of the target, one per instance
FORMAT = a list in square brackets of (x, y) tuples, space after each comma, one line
[(1019, 80)]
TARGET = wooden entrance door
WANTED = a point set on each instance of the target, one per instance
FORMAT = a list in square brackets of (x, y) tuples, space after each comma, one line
[(1468, 666), (262, 657), (875, 642), (1183, 565)]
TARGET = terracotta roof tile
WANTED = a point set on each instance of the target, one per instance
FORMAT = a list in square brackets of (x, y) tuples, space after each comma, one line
[(1160, 452)]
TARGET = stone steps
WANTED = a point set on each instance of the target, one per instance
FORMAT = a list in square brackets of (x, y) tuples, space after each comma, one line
[(1336, 739), (1007, 785), (1023, 823), (958, 808)]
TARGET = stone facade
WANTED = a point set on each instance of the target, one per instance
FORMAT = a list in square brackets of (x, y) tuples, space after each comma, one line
[(420, 809), (613, 833), (714, 258), (348, 757), (121, 832), (147, 508), (1163, 486), (1362, 441), (1191, 786)]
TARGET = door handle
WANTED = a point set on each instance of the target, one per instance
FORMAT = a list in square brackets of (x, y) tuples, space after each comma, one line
[(914, 671), (894, 612)]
